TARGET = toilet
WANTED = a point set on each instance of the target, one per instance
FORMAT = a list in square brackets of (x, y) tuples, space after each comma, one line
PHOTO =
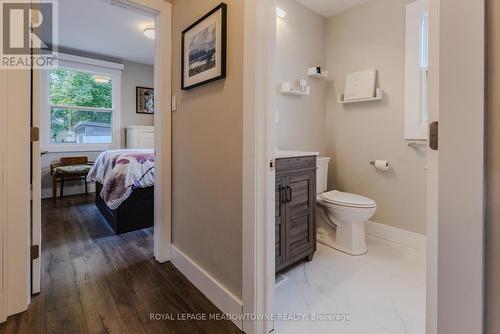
[(341, 216)]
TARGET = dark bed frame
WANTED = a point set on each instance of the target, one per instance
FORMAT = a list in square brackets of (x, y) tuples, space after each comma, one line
[(136, 213)]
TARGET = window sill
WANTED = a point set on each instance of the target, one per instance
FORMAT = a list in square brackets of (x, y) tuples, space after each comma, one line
[(78, 148)]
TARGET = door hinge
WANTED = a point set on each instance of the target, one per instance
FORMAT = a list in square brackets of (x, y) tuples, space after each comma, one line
[(272, 164), (35, 252), (34, 134), (434, 136)]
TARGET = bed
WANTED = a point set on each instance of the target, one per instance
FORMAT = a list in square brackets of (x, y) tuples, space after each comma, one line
[(125, 188)]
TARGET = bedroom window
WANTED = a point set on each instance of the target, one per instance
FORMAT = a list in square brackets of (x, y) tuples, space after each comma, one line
[(82, 109), (417, 70)]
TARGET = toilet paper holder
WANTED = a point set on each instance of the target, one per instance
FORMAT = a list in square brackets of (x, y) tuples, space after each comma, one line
[(386, 164)]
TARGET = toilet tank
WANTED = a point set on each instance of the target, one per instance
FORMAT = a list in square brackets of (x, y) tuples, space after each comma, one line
[(322, 174)]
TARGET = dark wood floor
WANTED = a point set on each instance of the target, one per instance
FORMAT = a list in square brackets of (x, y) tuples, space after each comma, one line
[(96, 282)]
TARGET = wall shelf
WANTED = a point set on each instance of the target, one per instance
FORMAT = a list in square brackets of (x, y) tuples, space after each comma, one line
[(312, 72), (378, 97), (286, 88)]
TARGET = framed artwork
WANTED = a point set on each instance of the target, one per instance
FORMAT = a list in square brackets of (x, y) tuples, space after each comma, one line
[(145, 100), (204, 46)]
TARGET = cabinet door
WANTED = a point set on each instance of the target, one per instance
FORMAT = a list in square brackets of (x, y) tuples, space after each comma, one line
[(279, 218), (300, 211)]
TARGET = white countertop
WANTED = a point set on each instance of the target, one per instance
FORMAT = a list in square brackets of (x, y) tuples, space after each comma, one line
[(280, 154)]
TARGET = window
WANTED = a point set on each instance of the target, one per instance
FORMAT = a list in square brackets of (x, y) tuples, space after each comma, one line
[(417, 70), (82, 108)]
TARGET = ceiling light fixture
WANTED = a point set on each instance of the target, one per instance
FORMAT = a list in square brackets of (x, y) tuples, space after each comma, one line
[(149, 32), (281, 13)]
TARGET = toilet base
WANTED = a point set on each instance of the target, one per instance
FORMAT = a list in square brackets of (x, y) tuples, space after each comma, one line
[(329, 243), (347, 238)]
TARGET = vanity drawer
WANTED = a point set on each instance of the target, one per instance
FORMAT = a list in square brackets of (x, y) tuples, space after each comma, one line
[(284, 165)]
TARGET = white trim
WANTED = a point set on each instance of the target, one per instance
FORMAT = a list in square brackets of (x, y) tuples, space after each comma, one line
[(90, 61), (69, 191), (163, 125), (397, 235), (456, 249), (258, 238), (217, 293)]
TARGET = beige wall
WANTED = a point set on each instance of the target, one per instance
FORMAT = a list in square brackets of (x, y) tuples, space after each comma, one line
[(300, 44), (207, 154), (373, 36), (493, 170), (134, 74)]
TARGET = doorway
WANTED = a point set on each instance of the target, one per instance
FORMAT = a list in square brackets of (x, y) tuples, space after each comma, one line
[(130, 86), (442, 23)]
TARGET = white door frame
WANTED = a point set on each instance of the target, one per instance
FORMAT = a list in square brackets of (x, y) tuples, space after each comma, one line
[(457, 98), (258, 177), (14, 217), (455, 259)]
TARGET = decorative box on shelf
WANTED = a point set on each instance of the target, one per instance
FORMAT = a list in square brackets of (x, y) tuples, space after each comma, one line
[(317, 72)]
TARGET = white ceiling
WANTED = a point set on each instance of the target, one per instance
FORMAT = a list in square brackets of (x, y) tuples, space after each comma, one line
[(329, 8), (97, 27)]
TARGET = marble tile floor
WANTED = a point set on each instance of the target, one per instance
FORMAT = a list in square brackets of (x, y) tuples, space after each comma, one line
[(381, 292)]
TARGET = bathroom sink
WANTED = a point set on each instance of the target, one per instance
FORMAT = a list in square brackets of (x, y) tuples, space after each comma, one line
[(280, 154)]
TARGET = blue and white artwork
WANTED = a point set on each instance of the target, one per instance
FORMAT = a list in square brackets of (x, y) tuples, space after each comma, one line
[(204, 46), (202, 50)]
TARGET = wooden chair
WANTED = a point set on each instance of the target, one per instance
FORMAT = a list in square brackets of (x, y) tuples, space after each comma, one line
[(74, 168)]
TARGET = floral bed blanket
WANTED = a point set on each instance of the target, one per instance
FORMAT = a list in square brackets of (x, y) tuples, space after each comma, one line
[(122, 171)]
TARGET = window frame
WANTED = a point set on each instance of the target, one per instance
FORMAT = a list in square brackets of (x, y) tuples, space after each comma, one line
[(415, 128), (90, 66)]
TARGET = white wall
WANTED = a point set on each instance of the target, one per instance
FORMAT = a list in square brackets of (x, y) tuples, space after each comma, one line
[(373, 36), (134, 74), (300, 44)]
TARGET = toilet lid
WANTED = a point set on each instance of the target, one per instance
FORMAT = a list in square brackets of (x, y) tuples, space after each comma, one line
[(347, 199)]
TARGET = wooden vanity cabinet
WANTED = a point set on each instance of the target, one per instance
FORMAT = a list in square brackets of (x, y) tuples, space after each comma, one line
[(295, 204)]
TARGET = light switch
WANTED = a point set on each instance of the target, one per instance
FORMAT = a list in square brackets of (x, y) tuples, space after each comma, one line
[(174, 103), (277, 116)]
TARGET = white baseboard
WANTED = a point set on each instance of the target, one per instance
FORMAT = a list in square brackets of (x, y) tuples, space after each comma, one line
[(397, 235), (209, 286), (69, 190)]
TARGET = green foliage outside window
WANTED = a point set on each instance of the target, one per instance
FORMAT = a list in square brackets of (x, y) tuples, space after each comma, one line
[(77, 89)]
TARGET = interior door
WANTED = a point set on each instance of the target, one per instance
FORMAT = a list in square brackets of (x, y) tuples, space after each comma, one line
[(36, 185)]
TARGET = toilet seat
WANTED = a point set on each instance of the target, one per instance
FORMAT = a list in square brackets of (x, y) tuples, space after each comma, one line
[(347, 199)]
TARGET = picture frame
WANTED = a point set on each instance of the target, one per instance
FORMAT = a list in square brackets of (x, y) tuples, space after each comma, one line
[(144, 100), (204, 48)]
